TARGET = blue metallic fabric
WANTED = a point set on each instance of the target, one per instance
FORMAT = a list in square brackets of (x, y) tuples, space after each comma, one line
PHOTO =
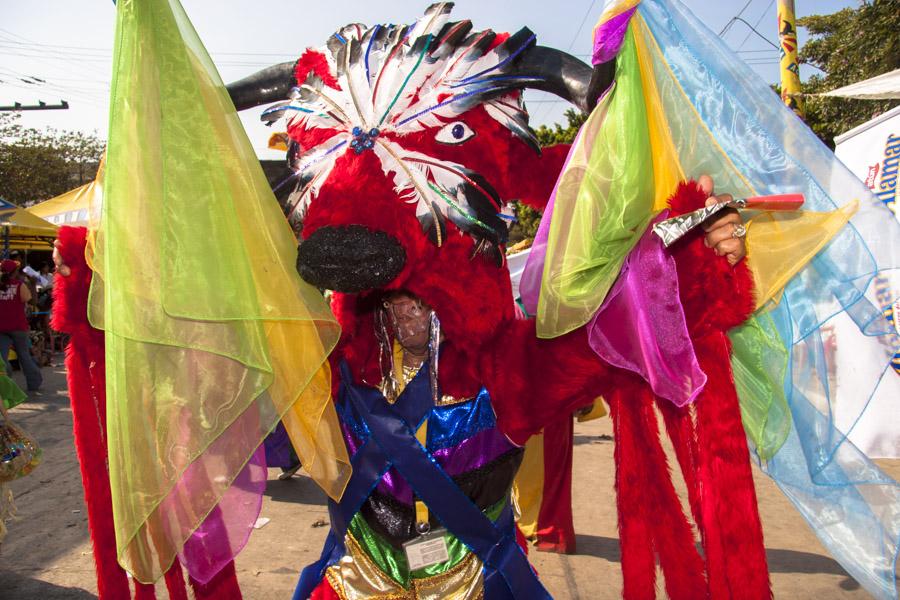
[(450, 425)]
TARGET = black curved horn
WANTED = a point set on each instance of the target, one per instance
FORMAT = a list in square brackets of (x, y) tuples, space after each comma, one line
[(565, 76), (269, 85), (560, 73)]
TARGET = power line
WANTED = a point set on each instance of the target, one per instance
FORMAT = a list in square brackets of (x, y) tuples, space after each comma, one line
[(758, 21), (731, 22), (580, 25), (753, 29), (81, 64), (88, 50), (550, 103)]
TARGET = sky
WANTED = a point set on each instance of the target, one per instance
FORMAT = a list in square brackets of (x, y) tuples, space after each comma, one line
[(61, 49)]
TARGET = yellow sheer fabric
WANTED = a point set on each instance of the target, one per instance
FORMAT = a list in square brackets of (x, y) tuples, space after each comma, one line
[(667, 172), (602, 205), (779, 244), (211, 337)]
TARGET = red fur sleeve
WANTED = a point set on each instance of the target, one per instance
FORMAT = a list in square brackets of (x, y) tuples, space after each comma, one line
[(715, 295)]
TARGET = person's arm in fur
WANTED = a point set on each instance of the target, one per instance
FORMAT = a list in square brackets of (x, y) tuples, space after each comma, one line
[(536, 381), (533, 381), (716, 296)]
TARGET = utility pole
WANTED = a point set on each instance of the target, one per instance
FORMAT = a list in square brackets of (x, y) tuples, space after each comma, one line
[(790, 68), (41, 105)]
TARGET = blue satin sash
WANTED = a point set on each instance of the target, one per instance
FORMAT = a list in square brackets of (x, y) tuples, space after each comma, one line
[(392, 442)]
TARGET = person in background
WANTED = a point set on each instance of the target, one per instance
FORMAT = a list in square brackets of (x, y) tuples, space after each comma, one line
[(46, 275), (27, 273), (14, 295)]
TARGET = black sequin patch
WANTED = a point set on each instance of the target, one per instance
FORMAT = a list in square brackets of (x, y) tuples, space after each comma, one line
[(349, 259)]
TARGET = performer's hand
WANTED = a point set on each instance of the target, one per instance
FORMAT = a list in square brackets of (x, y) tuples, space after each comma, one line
[(61, 267), (725, 230)]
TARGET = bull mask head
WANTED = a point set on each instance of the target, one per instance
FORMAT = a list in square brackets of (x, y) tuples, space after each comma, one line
[(397, 104)]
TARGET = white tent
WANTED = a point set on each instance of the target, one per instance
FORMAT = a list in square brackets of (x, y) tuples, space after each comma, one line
[(882, 87)]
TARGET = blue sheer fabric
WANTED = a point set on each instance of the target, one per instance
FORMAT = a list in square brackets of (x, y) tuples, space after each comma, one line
[(852, 506)]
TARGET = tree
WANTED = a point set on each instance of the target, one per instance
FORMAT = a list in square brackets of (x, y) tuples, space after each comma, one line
[(557, 134), (36, 165), (527, 218), (850, 45)]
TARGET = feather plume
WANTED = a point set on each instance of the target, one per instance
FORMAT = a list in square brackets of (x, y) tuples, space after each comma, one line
[(394, 79)]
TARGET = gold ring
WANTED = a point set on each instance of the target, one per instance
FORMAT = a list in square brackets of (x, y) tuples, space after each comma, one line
[(739, 231)]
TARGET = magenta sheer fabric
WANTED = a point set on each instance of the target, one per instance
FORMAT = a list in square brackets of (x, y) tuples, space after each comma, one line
[(641, 325), (225, 531), (608, 37)]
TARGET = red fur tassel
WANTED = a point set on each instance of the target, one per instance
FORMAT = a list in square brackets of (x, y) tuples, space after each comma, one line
[(86, 379), (650, 513), (717, 297), (223, 586), (175, 582), (732, 532), (638, 564), (144, 591), (86, 373)]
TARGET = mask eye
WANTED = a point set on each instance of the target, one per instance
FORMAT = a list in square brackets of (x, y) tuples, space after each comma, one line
[(454, 133)]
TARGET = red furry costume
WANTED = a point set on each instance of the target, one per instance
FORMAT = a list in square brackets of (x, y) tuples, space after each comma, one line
[(410, 201), (532, 381), (555, 526), (86, 374)]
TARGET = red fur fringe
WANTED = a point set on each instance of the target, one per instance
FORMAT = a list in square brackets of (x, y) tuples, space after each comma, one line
[(223, 586), (635, 533)]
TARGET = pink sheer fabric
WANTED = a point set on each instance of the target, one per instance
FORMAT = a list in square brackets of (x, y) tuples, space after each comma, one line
[(225, 531), (641, 325), (608, 37)]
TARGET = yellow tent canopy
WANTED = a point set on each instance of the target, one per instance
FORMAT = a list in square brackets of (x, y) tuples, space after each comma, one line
[(21, 230), (73, 207)]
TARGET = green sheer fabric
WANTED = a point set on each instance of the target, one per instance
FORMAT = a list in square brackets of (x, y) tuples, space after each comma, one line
[(10, 393), (759, 362), (604, 201), (211, 337)]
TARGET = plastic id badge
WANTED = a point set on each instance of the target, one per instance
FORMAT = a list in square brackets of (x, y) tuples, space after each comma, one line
[(426, 550)]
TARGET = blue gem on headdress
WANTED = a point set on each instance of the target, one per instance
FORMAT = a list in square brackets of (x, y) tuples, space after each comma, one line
[(363, 140)]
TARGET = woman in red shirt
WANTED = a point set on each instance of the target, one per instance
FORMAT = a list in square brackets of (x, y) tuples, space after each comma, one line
[(14, 294)]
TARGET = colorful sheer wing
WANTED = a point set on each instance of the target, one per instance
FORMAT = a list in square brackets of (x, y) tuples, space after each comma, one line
[(211, 337), (684, 105)]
